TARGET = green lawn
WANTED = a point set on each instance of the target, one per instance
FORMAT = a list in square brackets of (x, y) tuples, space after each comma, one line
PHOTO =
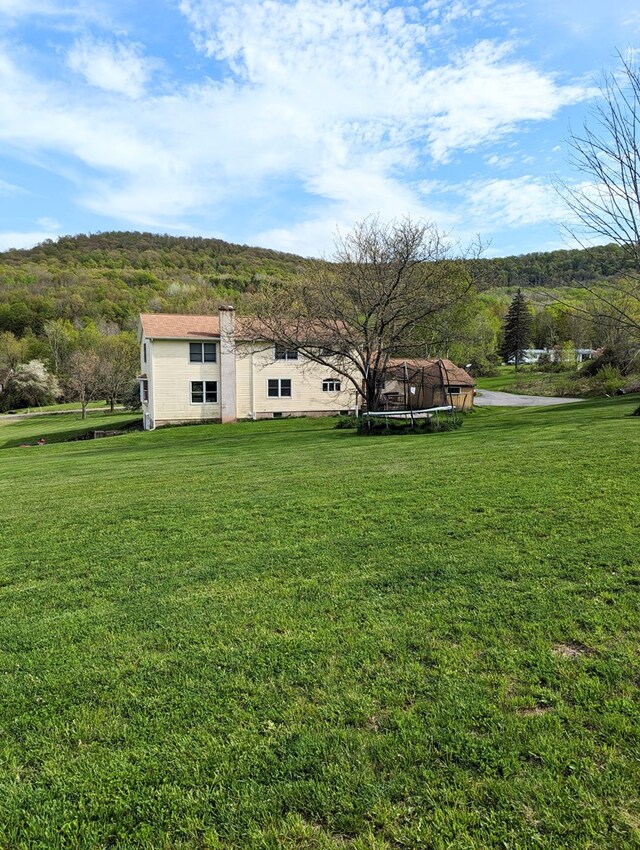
[(504, 380), (279, 635), (67, 405), (528, 381), (59, 428)]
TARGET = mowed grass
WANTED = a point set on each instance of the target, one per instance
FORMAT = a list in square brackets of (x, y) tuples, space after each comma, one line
[(279, 635), (505, 380), (58, 428)]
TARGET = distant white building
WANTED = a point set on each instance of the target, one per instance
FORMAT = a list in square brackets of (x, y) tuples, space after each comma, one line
[(532, 355), (196, 368)]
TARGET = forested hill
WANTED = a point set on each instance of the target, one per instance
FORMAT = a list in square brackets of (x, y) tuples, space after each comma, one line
[(155, 253), (109, 278), (558, 268)]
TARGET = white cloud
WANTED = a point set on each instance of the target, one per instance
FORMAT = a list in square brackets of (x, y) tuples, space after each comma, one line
[(51, 225), (116, 67), (70, 15), (9, 188), (513, 202), (341, 97), (497, 161), (354, 194)]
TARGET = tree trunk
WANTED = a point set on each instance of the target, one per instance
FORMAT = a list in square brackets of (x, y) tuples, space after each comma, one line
[(372, 389)]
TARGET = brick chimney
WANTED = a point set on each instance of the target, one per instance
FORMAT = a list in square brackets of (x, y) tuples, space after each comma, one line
[(227, 363)]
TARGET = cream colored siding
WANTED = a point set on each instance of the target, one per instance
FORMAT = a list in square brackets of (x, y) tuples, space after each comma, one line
[(255, 370), (172, 376)]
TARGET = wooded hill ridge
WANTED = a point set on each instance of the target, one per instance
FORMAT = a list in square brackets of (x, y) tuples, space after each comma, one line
[(111, 277)]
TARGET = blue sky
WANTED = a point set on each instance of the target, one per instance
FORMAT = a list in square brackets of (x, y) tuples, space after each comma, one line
[(275, 122)]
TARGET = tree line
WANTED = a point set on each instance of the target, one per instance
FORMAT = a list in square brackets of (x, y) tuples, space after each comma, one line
[(67, 363)]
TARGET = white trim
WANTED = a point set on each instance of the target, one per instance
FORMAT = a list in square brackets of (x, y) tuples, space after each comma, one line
[(203, 381), (280, 380), (202, 362)]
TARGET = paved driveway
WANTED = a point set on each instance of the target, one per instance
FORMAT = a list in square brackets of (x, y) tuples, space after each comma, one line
[(498, 399)]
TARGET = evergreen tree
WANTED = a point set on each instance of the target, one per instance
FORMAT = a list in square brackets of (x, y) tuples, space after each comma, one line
[(516, 333)]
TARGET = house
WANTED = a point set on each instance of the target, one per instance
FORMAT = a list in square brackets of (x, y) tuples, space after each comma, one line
[(204, 368), (577, 355), (416, 384)]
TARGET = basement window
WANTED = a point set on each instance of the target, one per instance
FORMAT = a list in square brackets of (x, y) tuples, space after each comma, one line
[(204, 392), (202, 352), (279, 388)]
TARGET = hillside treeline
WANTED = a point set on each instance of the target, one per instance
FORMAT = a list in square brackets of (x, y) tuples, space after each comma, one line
[(552, 269), (109, 278)]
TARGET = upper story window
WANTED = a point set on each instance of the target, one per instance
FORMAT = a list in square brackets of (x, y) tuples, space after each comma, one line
[(202, 352), (331, 385), (279, 388), (144, 352), (284, 353)]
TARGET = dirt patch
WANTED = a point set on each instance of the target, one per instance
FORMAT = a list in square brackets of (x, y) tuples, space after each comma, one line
[(530, 816), (536, 711), (574, 649), (630, 819)]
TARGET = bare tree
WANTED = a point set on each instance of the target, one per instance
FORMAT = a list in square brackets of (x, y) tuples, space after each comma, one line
[(118, 365), (607, 152), (376, 300), (83, 379)]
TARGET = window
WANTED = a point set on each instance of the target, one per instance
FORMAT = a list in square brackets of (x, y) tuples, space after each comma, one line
[(331, 385), (453, 390), (144, 390), (204, 392), (202, 352), (144, 353), (279, 387), (284, 353)]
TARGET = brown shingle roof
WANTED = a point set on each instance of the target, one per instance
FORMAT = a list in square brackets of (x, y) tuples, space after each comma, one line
[(171, 326), (454, 374)]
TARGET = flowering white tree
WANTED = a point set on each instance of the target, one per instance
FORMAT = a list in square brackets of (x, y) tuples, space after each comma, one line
[(29, 385)]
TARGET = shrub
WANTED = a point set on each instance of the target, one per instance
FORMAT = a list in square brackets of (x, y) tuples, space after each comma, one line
[(617, 356), (547, 362), (131, 398), (484, 367), (347, 422), (607, 381), (370, 426)]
